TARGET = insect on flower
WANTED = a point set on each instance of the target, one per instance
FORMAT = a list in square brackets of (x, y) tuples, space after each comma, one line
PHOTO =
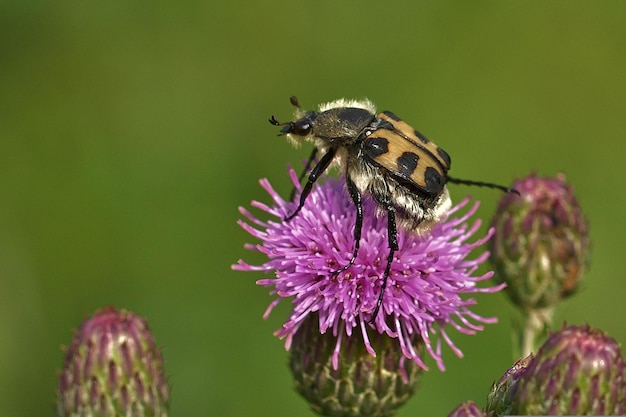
[(381, 155)]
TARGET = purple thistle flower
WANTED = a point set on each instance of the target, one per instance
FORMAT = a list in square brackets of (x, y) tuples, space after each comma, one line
[(429, 273)]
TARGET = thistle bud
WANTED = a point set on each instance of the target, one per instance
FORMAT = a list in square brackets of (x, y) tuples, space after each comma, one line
[(503, 393), (468, 409), (577, 371), (340, 377), (113, 368), (541, 244)]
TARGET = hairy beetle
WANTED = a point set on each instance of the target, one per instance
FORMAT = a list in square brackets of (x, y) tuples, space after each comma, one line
[(381, 155)]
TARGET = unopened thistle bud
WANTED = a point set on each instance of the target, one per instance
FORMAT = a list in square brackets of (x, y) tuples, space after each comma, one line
[(503, 393), (113, 368), (541, 244), (354, 382), (578, 371), (468, 409)]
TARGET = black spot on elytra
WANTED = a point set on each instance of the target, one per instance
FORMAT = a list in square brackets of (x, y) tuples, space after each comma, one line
[(407, 162), (375, 146), (391, 115), (421, 137), (434, 181), (444, 155)]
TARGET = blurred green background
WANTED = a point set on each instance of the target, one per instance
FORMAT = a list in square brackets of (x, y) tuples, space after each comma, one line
[(130, 132)]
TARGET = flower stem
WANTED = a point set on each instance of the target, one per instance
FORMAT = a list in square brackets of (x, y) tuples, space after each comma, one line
[(536, 323)]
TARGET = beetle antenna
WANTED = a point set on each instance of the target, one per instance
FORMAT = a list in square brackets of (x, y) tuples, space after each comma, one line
[(274, 121), (294, 101), (483, 184)]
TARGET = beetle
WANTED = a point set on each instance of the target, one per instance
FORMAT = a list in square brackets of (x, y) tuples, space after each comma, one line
[(382, 156)]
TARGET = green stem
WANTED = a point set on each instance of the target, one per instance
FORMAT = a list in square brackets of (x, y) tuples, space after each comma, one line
[(535, 326)]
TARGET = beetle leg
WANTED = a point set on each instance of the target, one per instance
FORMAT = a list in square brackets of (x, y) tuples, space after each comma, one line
[(313, 177), (307, 167), (358, 225), (392, 236)]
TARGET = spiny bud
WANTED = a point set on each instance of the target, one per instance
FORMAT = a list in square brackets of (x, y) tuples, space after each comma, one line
[(113, 368), (502, 395), (577, 371), (468, 409), (541, 244), (352, 383)]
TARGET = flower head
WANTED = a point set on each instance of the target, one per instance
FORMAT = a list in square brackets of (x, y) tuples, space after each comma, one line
[(541, 244), (429, 274), (113, 367), (500, 401), (578, 371), (362, 385), (467, 409)]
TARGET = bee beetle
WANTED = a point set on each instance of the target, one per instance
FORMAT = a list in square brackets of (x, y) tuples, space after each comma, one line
[(381, 155)]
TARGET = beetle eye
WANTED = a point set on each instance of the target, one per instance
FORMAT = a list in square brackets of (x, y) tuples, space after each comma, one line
[(302, 127)]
